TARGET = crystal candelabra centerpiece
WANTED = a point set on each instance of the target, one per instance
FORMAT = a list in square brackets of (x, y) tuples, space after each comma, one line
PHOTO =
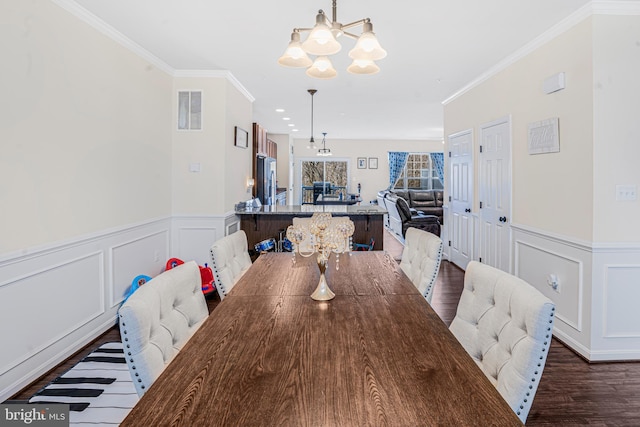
[(321, 235)]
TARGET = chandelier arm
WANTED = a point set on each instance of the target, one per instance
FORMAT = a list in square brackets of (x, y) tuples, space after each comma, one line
[(350, 35), (356, 23), (297, 30)]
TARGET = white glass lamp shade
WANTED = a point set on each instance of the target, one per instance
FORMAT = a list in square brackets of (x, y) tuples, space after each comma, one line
[(363, 66), (295, 56), (322, 68), (367, 46), (321, 40)]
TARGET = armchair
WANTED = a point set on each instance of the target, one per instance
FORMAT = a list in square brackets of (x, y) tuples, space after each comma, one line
[(418, 220)]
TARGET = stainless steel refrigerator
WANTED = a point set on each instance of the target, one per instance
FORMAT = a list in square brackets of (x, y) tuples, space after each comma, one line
[(266, 181)]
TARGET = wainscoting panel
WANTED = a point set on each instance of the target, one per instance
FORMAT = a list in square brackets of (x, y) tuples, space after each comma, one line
[(621, 299), (194, 235), (616, 293), (536, 257), (40, 322), (536, 265), (56, 298), (143, 255)]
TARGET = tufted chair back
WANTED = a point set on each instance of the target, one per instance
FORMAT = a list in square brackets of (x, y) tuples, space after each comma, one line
[(158, 319), (229, 261), (421, 258), (506, 325)]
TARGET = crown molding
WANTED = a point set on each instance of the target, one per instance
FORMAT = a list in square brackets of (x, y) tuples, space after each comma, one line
[(599, 7), (216, 74), (106, 29), (616, 7), (84, 15)]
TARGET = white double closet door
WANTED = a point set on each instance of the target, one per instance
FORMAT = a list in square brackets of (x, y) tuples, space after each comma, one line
[(491, 241)]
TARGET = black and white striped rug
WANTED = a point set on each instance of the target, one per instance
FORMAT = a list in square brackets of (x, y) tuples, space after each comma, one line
[(98, 389)]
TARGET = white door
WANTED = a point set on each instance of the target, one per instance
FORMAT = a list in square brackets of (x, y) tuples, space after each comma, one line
[(460, 221), (495, 193)]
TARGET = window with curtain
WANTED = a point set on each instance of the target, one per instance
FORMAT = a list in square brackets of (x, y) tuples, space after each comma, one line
[(419, 173)]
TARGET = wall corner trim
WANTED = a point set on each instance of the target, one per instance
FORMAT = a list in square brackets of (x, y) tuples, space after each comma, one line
[(598, 7), (216, 74)]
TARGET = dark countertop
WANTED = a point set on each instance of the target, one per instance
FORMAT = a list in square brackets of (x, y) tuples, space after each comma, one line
[(310, 209)]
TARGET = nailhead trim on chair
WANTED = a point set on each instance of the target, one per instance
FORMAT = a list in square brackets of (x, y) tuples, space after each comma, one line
[(501, 319), (158, 319), (229, 260), (216, 273), (544, 349)]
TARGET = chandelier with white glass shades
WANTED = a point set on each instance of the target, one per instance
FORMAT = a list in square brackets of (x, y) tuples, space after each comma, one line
[(322, 42)]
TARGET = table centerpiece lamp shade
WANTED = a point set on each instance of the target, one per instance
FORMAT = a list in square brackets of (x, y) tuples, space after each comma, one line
[(321, 235)]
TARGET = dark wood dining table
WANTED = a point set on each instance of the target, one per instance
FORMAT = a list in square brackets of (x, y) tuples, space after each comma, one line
[(375, 355)]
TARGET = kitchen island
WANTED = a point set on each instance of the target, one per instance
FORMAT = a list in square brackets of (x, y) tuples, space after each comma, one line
[(268, 222)]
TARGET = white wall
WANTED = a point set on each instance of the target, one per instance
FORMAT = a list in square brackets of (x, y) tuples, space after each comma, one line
[(371, 180), (85, 183), (194, 192), (616, 126), (552, 191), (84, 129), (238, 164), (565, 219), (203, 202), (95, 187)]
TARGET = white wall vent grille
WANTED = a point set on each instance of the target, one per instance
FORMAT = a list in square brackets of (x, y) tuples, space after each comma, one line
[(189, 110)]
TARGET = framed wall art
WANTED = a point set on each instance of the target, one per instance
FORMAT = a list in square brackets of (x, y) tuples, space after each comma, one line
[(362, 162), (241, 138), (373, 163)]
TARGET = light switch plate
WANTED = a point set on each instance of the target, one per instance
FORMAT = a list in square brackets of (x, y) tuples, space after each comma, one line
[(626, 192), (194, 167)]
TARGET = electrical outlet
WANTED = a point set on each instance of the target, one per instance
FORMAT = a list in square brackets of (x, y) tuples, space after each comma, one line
[(626, 192)]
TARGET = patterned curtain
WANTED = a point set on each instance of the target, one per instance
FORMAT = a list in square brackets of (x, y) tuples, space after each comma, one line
[(397, 162), (438, 164)]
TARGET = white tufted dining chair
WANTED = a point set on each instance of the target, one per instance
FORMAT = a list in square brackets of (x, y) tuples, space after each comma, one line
[(421, 258), (229, 261), (506, 326), (158, 319)]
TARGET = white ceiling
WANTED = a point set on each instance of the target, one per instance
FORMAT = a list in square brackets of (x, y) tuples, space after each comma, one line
[(435, 47)]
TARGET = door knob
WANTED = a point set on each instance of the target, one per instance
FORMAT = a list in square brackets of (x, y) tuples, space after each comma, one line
[(467, 210), (502, 219)]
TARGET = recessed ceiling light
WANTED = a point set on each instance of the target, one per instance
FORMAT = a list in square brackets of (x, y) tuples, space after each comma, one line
[(294, 130), (279, 110), (286, 118), (292, 125)]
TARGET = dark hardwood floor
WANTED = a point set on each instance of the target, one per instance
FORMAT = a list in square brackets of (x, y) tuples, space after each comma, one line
[(572, 392)]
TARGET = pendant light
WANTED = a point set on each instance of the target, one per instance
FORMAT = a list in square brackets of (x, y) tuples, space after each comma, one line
[(324, 151), (312, 143)]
